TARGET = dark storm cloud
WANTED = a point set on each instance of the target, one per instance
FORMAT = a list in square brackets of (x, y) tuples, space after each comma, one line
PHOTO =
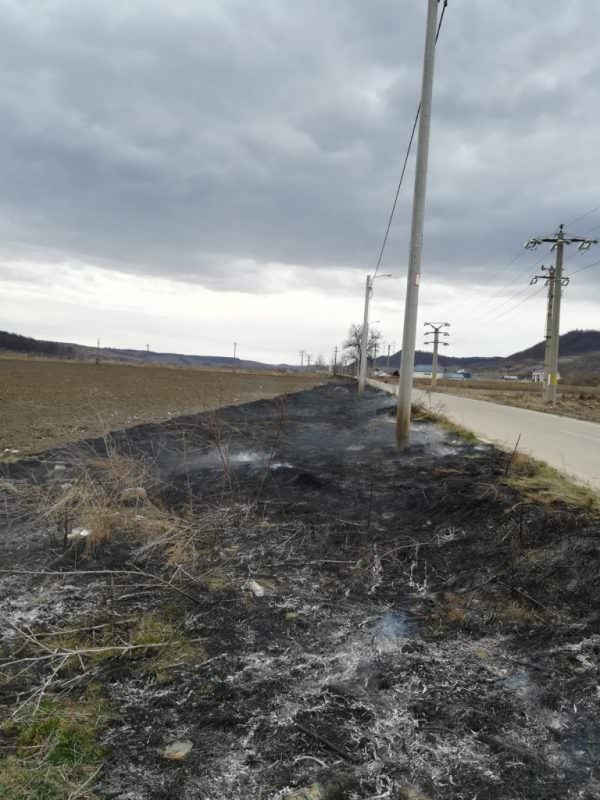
[(180, 138)]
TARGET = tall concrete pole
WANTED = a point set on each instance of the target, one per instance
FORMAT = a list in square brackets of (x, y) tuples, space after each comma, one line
[(416, 237), (555, 332), (364, 338), (434, 362), (556, 282), (548, 336), (436, 329)]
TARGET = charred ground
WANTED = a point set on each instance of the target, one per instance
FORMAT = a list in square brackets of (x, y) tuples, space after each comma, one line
[(315, 613)]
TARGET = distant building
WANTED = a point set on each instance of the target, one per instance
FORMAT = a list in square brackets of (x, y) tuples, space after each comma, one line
[(510, 377), (537, 376), (422, 371)]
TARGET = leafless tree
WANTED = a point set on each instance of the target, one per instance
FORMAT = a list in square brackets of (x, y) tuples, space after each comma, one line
[(353, 340)]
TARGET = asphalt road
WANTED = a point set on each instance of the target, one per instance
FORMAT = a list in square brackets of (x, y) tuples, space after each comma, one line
[(571, 445)]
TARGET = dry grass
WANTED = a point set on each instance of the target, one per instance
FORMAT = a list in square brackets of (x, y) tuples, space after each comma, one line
[(541, 483)]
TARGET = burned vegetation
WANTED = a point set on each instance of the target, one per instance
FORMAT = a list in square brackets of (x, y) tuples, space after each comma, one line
[(273, 602)]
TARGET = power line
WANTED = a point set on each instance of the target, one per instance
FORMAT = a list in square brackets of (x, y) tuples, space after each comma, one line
[(583, 216), (484, 310), (406, 157), (511, 309), (587, 266)]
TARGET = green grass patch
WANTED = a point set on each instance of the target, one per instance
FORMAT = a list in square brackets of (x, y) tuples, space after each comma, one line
[(55, 751)]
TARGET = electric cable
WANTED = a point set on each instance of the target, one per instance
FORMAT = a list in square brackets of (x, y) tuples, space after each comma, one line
[(406, 157)]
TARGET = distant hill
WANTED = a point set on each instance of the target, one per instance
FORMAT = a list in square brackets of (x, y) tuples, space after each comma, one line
[(579, 353), (574, 343), (14, 343)]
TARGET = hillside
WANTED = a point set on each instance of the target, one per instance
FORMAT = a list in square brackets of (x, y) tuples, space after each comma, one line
[(579, 353), (574, 343), (25, 345)]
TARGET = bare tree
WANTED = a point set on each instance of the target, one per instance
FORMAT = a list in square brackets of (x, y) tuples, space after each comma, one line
[(353, 340)]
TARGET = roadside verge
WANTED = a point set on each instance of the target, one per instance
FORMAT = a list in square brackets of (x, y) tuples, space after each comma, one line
[(569, 445)]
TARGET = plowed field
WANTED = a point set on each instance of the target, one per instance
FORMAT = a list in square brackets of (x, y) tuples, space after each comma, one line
[(47, 403)]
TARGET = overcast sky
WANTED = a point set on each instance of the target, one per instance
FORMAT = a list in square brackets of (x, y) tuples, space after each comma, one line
[(191, 173)]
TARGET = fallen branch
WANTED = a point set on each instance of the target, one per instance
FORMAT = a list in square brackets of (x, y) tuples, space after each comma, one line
[(309, 732)]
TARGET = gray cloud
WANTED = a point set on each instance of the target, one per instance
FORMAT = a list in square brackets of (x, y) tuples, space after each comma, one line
[(180, 139)]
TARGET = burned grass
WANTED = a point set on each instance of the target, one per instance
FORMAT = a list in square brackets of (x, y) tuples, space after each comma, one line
[(316, 616)]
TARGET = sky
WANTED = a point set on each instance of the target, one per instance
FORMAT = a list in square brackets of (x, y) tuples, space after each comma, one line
[(194, 173)]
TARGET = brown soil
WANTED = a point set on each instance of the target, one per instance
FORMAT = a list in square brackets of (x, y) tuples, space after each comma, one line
[(48, 403)]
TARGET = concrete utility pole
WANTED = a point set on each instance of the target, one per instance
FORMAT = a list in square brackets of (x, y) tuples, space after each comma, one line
[(364, 338), (436, 330), (234, 352), (364, 334), (558, 241), (308, 358), (387, 362), (302, 354), (335, 352), (549, 281), (416, 237)]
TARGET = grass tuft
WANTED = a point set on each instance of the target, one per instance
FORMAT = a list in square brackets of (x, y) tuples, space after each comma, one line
[(56, 752)]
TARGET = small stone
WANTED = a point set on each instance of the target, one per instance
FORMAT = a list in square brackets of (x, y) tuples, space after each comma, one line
[(406, 792), (254, 587), (177, 751), (313, 792), (78, 533)]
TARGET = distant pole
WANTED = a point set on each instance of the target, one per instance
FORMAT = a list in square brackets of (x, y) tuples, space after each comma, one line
[(364, 338), (416, 237), (98, 351), (387, 363), (555, 331), (235, 344), (308, 358), (549, 280), (436, 330), (335, 352), (558, 241), (148, 348), (302, 354)]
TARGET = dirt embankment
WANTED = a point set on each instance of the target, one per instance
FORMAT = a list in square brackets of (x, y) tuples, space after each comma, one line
[(47, 403), (292, 608)]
